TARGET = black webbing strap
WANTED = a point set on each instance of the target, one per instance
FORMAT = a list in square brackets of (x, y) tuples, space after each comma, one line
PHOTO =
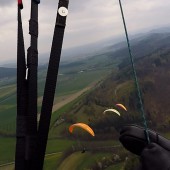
[(32, 64), (26, 92), (50, 85), (21, 97)]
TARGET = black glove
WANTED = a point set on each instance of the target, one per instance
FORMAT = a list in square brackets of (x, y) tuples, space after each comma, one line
[(154, 157), (133, 138)]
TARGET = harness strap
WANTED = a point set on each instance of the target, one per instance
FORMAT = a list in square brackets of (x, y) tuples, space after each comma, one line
[(50, 85), (21, 96), (37, 1), (26, 92), (32, 64), (33, 145)]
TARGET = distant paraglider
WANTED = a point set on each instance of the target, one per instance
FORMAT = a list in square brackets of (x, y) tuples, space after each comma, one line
[(121, 106), (112, 110), (83, 126)]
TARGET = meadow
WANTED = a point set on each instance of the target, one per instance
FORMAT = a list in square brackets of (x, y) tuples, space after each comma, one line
[(71, 79), (88, 74)]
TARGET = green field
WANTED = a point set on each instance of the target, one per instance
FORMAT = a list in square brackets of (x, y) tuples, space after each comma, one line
[(65, 86), (51, 161), (65, 150), (78, 161), (75, 161), (7, 150), (71, 79), (118, 166)]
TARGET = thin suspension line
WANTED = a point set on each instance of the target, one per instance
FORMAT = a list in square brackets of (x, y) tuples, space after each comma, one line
[(135, 75)]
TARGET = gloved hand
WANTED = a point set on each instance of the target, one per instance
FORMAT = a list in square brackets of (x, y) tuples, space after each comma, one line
[(133, 138), (154, 157)]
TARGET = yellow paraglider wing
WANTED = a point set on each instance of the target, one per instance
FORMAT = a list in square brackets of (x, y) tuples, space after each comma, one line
[(121, 106), (83, 126), (111, 110)]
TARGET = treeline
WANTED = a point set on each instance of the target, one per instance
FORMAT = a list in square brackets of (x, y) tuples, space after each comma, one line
[(153, 73)]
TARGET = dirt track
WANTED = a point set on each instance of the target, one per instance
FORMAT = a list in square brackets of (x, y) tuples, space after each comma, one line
[(61, 101)]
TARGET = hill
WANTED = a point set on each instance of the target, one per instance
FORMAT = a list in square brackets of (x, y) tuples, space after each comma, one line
[(154, 79), (151, 55), (152, 61), (141, 46)]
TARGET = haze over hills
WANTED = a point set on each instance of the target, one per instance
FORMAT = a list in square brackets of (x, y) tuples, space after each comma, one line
[(81, 52), (113, 44), (142, 45)]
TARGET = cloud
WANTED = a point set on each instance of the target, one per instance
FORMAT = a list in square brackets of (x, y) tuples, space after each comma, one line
[(88, 21), (6, 2)]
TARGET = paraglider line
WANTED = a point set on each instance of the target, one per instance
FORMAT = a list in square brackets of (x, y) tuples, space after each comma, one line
[(134, 73)]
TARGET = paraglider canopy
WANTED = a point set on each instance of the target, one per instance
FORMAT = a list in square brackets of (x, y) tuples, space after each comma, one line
[(82, 126), (121, 106), (112, 110)]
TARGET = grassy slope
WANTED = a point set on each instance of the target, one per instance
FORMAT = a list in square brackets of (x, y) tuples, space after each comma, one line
[(66, 85), (79, 161), (74, 83), (7, 150), (9, 103), (58, 145), (7, 147), (9, 167), (52, 161), (125, 88), (118, 166)]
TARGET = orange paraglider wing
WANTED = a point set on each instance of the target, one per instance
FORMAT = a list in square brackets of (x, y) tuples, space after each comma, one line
[(83, 126), (121, 106)]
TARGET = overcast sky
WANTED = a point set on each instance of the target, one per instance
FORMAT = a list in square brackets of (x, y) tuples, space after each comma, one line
[(88, 21)]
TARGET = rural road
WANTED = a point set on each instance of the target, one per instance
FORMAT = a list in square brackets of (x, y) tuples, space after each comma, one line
[(69, 98)]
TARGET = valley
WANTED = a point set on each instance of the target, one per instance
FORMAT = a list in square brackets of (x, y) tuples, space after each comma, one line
[(85, 88)]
